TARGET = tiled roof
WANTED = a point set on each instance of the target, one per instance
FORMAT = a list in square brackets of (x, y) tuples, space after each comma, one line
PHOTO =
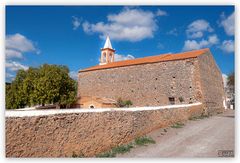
[(151, 59)]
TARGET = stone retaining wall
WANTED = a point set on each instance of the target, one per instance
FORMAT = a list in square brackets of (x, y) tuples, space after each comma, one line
[(86, 133)]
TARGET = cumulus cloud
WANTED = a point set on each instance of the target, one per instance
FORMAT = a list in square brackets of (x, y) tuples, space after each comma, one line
[(18, 44), (193, 44), (227, 46), (228, 23), (15, 66), (197, 28), (224, 76), (130, 24), (73, 75), (76, 22), (161, 13), (119, 57), (11, 53)]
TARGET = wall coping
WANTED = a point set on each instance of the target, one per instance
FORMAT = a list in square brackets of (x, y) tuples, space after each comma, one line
[(30, 113)]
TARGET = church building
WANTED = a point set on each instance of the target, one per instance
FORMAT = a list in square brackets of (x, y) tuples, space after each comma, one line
[(166, 79)]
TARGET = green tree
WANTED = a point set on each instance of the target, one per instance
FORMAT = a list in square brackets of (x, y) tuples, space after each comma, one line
[(17, 87), (48, 84)]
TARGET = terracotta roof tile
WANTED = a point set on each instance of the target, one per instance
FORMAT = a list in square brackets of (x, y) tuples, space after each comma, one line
[(151, 59)]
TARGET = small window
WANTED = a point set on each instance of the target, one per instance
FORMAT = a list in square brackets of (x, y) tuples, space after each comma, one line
[(171, 100), (156, 78), (91, 107)]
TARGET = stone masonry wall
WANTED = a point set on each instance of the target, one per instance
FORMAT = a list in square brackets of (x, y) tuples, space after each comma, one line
[(211, 83), (85, 133), (145, 85)]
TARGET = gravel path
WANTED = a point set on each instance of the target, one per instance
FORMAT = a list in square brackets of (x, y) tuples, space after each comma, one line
[(199, 138)]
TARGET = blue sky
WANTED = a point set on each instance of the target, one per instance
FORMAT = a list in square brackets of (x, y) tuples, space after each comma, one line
[(73, 35)]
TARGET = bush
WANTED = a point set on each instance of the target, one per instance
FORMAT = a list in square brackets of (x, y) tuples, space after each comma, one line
[(181, 99), (178, 125), (144, 140), (121, 103), (116, 150), (128, 103)]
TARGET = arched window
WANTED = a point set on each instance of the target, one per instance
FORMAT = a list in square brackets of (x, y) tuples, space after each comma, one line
[(104, 57), (110, 57)]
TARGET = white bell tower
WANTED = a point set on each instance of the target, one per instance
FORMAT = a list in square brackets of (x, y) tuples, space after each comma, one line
[(107, 53)]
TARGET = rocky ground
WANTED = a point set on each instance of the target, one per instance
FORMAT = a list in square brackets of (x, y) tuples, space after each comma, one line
[(206, 137)]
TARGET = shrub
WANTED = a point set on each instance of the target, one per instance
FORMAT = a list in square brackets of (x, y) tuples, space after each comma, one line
[(128, 103), (127, 147), (121, 103), (181, 99), (178, 125), (144, 140), (116, 150)]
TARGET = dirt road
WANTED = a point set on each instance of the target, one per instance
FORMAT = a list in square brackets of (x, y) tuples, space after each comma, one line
[(198, 138)]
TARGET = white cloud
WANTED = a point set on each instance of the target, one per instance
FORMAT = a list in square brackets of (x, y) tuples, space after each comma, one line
[(130, 24), (197, 28), (161, 13), (15, 66), (228, 23), (73, 75), (76, 22), (193, 44), (224, 76), (10, 53), (227, 46), (18, 44), (173, 32), (119, 57), (213, 39)]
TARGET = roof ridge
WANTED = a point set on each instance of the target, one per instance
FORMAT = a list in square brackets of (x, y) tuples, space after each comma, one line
[(149, 59)]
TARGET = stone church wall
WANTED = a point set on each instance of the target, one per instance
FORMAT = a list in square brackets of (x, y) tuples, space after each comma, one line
[(211, 83), (146, 84)]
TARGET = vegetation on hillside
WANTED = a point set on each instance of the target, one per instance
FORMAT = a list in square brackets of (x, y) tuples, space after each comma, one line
[(48, 84)]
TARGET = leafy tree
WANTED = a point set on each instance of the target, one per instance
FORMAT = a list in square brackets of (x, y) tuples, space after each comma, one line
[(48, 84)]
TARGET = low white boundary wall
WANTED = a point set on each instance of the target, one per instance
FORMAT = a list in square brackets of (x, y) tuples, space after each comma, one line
[(28, 113)]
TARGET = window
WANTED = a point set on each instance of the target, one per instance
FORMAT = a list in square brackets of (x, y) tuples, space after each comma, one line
[(171, 100), (110, 57), (104, 58)]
